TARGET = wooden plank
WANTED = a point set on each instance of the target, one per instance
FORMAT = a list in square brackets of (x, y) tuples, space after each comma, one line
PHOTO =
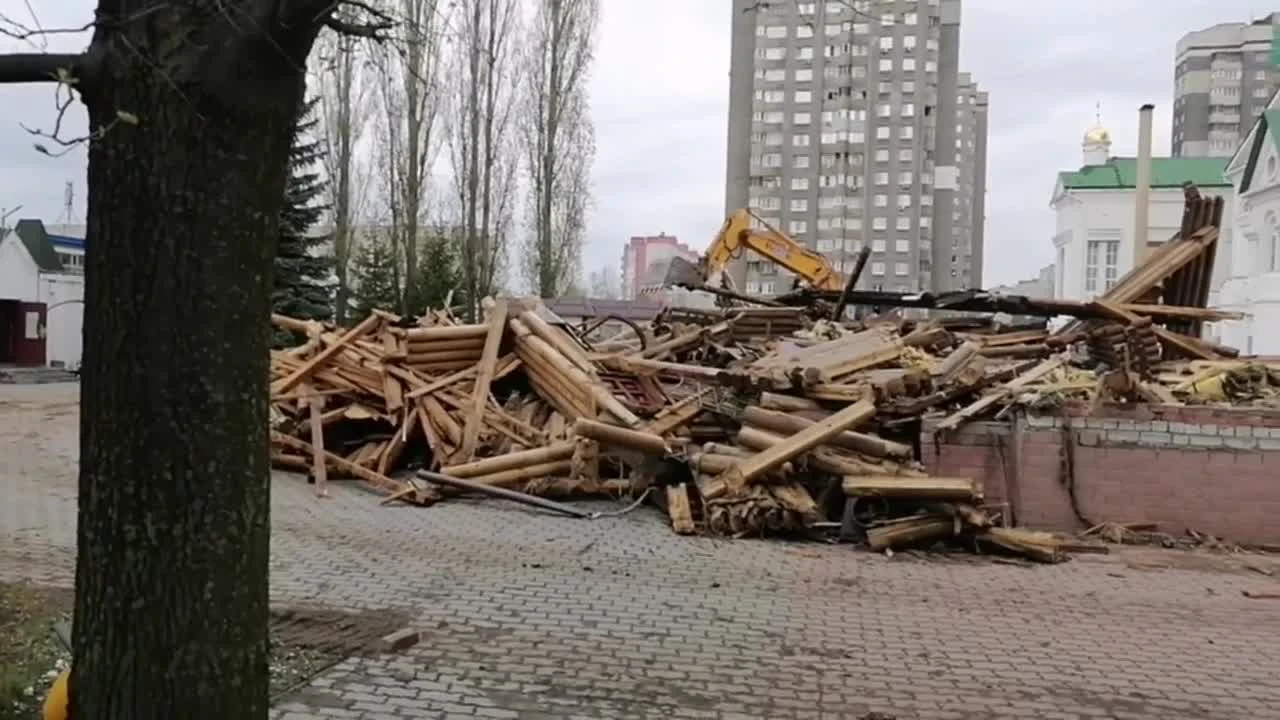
[(480, 393), (940, 488), (319, 469), (305, 370), (679, 509)]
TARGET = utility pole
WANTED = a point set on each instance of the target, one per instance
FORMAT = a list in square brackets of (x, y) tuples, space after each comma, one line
[(4, 220)]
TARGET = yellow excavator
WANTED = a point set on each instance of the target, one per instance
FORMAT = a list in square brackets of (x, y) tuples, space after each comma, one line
[(735, 234)]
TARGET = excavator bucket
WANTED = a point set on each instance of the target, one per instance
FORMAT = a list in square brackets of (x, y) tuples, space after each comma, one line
[(683, 273)]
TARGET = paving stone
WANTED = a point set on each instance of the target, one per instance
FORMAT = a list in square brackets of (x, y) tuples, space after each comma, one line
[(525, 615)]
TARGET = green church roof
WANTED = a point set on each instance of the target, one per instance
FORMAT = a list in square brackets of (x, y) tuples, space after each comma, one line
[(1166, 172)]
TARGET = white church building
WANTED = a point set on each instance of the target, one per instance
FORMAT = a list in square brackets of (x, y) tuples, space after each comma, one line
[(1094, 237), (1253, 266)]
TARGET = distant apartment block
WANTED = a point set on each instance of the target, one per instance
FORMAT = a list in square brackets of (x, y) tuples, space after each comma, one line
[(642, 254), (834, 138), (1223, 77)]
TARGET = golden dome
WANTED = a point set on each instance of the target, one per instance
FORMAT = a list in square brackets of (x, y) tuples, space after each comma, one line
[(1097, 135)]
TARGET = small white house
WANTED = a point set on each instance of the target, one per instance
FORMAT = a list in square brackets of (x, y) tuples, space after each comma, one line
[(1094, 239), (1253, 286), (41, 297)]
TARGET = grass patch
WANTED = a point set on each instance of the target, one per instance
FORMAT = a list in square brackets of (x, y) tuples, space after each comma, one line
[(30, 654)]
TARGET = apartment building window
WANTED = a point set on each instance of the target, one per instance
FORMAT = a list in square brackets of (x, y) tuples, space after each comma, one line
[(773, 116), (909, 42), (799, 183), (903, 223), (886, 43), (910, 18), (766, 203), (900, 269), (830, 202), (861, 28), (909, 64), (931, 44), (925, 221), (930, 66), (771, 160), (773, 138), (908, 109), (800, 140), (882, 201), (908, 86), (806, 53), (884, 110), (904, 178), (772, 31), (906, 132), (877, 245), (902, 246), (887, 19), (804, 31), (800, 118), (798, 226), (804, 96), (753, 287), (853, 223), (877, 268), (879, 224), (831, 29), (904, 202), (806, 8), (882, 133), (882, 155), (770, 96), (804, 75), (799, 205), (800, 161), (886, 65), (881, 178), (904, 155)]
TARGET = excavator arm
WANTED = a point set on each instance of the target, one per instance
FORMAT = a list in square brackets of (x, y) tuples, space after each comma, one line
[(737, 233)]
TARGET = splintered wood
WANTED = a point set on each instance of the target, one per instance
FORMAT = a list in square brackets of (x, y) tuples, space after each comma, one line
[(743, 421)]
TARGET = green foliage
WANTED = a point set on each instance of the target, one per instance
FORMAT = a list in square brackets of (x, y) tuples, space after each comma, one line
[(303, 279), (374, 279), (439, 272)]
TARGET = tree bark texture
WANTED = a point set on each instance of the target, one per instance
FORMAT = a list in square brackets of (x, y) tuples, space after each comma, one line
[(173, 536)]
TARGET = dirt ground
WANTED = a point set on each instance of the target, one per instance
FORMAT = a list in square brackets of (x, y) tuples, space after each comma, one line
[(31, 655)]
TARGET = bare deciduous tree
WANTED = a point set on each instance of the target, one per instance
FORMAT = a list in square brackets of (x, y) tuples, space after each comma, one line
[(484, 156), (559, 139), (340, 74), (411, 93)]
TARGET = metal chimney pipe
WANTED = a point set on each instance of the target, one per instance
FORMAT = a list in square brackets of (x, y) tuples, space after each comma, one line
[(1142, 189)]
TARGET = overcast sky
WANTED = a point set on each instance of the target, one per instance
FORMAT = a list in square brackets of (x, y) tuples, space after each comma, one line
[(659, 99)]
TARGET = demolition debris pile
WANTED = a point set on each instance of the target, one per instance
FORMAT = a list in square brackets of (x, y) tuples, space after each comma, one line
[(748, 420)]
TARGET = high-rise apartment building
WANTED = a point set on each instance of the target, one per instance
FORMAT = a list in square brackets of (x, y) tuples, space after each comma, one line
[(1223, 77), (834, 138)]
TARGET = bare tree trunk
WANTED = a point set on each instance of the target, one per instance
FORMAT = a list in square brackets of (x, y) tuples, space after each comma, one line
[(343, 97), (558, 140), (192, 115), (483, 154), (411, 97)]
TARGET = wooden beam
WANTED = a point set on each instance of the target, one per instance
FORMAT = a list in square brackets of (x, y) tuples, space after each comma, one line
[(480, 393), (305, 370)]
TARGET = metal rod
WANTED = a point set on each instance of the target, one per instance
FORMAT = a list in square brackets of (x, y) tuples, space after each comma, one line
[(863, 254), (512, 495)]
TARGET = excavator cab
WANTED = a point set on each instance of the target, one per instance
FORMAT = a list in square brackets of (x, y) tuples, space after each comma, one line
[(684, 273)]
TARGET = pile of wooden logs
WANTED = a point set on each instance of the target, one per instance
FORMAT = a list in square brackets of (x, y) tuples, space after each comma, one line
[(740, 421)]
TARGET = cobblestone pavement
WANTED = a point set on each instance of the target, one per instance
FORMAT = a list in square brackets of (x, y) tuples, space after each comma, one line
[(526, 615)]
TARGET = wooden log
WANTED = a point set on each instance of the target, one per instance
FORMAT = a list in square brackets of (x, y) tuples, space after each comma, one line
[(824, 459), (323, 356), (443, 356), (550, 384), (434, 346), (1038, 546), (319, 466), (601, 397), (679, 509), (442, 420), (716, 448), (556, 339), (440, 366), (911, 530), (487, 466), (453, 332), (797, 444), (395, 448), (516, 476), (406, 492), (480, 395), (787, 403), (938, 488), (621, 437), (858, 442)]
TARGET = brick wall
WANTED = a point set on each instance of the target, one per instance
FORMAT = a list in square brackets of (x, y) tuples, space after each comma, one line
[(1213, 470)]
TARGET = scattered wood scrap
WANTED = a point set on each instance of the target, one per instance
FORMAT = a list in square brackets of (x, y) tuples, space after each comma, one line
[(748, 420)]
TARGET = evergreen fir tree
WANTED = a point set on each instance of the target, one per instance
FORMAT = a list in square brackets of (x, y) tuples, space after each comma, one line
[(438, 273), (373, 279), (304, 283)]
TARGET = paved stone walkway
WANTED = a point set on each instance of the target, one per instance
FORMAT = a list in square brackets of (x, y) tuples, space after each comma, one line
[(526, 615)]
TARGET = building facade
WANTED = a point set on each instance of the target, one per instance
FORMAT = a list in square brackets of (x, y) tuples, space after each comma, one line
[(41, 297), (1253, 283), (834, 138), (640, 256), (1223, 77), (1094, 238)]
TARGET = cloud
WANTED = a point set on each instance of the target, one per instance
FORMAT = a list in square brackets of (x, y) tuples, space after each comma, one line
[(659, 97)]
